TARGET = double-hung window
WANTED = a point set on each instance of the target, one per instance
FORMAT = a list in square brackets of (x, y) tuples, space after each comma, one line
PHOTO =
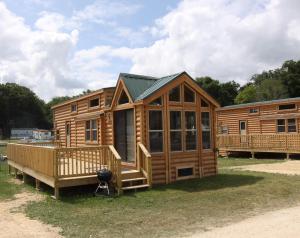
[(91, 131), (155, 131), (175, 131), (206, 130), (286, 125), (190, 130)]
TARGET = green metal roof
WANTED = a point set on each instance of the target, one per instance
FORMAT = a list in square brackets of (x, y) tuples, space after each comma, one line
[(141, 87), (260, 103)]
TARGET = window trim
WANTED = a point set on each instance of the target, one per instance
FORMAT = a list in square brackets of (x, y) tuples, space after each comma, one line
[(187, 166), (253, 113), (148, 125), (176, 130), (286, 126), (186, 86), (91, 99), (287, 110), (186, 130), (91, 141), (76, 105), (211, 131), (180, 95)]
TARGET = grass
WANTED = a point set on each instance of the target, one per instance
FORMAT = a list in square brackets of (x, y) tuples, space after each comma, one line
[(171, 210), (7, 190), (230, 162)]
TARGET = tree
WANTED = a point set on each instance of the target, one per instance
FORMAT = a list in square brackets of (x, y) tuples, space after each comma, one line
[(20, 107), (224, 93), (246, 95), (271, 89)]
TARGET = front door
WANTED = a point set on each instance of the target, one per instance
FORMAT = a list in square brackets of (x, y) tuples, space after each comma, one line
[(68, 134), (124, 134), (243, 131)]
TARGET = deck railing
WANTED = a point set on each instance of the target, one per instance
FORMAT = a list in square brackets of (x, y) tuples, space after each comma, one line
[(144, 162), (67, 162), (260, 142)]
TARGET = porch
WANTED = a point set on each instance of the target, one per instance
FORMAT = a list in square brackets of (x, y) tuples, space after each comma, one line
[(275, 143), (74, 166)]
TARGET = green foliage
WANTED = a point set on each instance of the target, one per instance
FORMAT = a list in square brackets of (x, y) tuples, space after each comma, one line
[(248, 94), (224, 93), (20, 107)]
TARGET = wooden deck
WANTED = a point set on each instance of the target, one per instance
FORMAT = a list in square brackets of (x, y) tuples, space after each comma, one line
[(276, 143), (65, 167)]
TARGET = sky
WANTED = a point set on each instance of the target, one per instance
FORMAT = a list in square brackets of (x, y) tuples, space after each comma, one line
[(59, 48)]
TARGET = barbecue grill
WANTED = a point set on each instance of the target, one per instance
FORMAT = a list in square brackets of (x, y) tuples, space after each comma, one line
[(104, 177)]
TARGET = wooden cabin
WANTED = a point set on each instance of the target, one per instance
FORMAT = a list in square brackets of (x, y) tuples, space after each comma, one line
[(161, 129), (269, 126)]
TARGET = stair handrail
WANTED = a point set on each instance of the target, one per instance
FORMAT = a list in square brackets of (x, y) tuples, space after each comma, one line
[(144, 162), (115, 159)]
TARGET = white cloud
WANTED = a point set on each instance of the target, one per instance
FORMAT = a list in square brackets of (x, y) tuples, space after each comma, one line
[(228, 40)]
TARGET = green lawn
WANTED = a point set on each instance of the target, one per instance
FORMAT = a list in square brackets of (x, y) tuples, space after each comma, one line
[(165, 211), (7, 190), (171, 210), (229, 162)]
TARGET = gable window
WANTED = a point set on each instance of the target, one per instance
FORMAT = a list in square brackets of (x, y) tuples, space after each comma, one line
[(204, 103), (175, 131), (123, 98), (189, 95), (156, 102), (91, 131), (287, 107), (190, 131), (94, 102), (205, 122), (253, 110), (155, 131), (73, 108), (174, 94)]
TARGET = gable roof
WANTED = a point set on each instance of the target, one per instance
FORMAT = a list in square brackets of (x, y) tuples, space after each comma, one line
[(261, 103), (140, 87)]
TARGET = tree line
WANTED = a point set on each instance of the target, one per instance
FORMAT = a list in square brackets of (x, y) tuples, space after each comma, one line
[(20, 107)]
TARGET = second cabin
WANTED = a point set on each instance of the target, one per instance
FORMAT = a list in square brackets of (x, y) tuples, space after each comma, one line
[(171, 117), (269, 126)]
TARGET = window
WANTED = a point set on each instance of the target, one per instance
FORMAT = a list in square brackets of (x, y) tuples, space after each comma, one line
[(123, 98), (73, 108), (287, 107), (189, 95), (94, 102), (291, 125), (175, 131), (205, 122), (190, 131), (184, 172), (281, 125), (253, 110), (155, 131), (223, 129), (204, 103), (174, 94), (57, 134), (91, 131), (156, 102)]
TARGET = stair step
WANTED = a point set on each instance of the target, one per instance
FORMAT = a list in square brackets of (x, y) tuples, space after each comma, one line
[(133, 179), (136, 187)]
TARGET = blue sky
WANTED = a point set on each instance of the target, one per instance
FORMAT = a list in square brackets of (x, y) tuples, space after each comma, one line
[(64, 47)]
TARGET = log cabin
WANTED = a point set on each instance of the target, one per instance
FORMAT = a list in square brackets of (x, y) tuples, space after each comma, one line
[(268, 126), (147, 130)]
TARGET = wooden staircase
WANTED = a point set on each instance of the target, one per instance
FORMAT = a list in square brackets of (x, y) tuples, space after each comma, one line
[(133, 180)]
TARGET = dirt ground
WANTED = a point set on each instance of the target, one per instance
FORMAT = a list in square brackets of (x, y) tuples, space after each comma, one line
[(14, 224), (277, 224), (290, 167)]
